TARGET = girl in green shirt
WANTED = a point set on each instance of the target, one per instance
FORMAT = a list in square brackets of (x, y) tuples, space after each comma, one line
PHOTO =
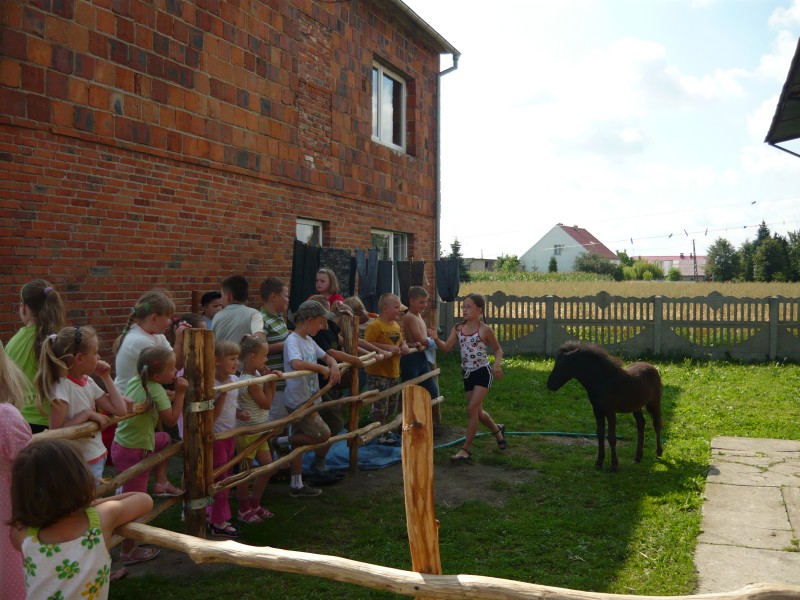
[(42, 312)]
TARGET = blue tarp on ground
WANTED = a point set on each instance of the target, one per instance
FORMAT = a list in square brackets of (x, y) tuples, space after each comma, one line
[(370, 456)]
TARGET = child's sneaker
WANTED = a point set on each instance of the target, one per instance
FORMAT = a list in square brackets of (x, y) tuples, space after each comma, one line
[(225, 530), (249, 516), (304, 492), (387, 439)]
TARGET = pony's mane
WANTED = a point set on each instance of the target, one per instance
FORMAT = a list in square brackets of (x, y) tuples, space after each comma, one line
[(592, 350)]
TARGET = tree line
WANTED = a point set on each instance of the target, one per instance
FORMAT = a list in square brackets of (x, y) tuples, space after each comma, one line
[(769, 257)]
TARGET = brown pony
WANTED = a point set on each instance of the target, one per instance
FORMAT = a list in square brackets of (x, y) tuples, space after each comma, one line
[(612, 389)]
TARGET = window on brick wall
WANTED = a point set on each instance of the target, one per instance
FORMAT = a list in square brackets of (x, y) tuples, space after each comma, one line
[(309, 231), (388, 107), (391, 245)]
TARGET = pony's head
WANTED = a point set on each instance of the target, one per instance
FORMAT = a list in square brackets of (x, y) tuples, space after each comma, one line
[(564, 368)]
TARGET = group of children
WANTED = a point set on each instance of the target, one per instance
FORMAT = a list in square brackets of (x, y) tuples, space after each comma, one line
[(53, 388)]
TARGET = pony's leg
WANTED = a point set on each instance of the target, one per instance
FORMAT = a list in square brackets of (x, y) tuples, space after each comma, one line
[(612, 439), (601, 442), (639, 418), (655, 413)]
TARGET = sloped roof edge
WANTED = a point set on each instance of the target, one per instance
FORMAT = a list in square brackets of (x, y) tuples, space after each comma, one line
[(588, 241), (786, 121), (443, 44)]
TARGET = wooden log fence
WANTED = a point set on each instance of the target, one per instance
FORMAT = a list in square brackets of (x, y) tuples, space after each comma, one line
[(425, 582)]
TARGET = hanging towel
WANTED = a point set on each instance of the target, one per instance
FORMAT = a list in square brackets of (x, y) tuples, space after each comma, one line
[(417, 272), (404, 279), (447, 283), (338, 260), (385, 279), (367, 266), (305, 263)]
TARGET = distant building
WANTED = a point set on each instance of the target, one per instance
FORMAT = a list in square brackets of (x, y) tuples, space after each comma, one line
[(566, 244), (480, 264), (684, 263)]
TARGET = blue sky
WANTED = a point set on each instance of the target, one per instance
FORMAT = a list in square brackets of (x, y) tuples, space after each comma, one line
[(633, 119)]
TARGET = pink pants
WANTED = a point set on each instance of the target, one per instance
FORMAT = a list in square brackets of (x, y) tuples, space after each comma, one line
[(124, 458), (220, 511)]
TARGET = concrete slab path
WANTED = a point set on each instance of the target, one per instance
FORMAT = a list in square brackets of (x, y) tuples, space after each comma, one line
[(751, 517)]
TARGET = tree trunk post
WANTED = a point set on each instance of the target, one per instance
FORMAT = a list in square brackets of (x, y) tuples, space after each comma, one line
[(198, 421), (423, 528), (352, 424)]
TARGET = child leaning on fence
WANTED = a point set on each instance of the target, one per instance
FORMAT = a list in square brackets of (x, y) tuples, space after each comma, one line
[(149, 319), (72, 397), (64, 533), (385, 333), (136, 438), (226, 412), (42, 312), (301, 353), (275, 298), (254, 400)]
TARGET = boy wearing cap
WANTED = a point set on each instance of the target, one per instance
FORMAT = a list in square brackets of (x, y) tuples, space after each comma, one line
[(385, 333), (301, 353)]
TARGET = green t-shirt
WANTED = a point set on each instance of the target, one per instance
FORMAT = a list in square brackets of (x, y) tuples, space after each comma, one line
[(20, 349), (139, 431)]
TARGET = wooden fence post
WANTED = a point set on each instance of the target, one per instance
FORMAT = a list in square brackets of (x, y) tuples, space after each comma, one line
[(352, 423), (197, 423), (423, 528), (773, 326), (658, 323), (549, 316)]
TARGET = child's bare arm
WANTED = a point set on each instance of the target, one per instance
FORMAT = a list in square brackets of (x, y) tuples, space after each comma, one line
[(113, 401), (446, 345), (58, 416), (171, 415), (118, 510)]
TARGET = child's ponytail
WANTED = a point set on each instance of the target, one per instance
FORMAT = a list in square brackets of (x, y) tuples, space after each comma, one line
[(47, 308), (251, 344), (55, 359), (154, 302), (151, 362)]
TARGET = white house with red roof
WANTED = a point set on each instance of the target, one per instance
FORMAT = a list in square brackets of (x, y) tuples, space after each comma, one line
[(566, 244)]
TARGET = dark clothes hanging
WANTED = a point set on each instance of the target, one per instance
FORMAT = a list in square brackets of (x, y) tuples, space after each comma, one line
[(417, 273), (305, 264), (404, 278), (447, 283), (351, 282), (367, 266), (338, 260), (385, 277), (409, 273)]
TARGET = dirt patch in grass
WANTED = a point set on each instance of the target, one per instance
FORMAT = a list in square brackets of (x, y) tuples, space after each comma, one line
[(454, 484)]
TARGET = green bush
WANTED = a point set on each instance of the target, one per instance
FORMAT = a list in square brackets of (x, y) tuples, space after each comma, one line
[(674, 274)]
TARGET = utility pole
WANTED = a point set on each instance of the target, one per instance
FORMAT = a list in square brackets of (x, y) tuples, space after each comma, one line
[(694, 257)]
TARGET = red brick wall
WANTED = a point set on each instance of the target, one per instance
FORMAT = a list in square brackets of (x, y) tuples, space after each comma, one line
[(170, 143)]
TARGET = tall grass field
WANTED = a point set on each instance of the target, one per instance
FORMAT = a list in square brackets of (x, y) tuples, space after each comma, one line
[(558, 522)]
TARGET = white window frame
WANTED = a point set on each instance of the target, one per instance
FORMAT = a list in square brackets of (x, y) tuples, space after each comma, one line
[(378, 115), (316, 227), (396, 249)]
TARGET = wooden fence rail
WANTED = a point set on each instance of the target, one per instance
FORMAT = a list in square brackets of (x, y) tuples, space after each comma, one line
[(712, 327)]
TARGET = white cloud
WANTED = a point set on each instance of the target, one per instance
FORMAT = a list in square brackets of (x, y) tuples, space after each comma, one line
[(785, 17), (758, 122), (765, 159), (775, 65)]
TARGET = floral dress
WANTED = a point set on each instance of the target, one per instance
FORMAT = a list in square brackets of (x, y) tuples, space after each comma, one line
[(78, 568)]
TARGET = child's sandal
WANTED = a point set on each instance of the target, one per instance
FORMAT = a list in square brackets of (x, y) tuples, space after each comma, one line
[(460, 458), (264, 512), (501, 441)]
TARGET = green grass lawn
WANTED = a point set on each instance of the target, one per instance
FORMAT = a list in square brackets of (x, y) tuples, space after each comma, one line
[(569, 525)]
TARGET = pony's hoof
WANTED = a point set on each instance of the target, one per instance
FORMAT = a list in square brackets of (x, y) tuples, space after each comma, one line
[(598, 466), (637, 460), (614, 468)]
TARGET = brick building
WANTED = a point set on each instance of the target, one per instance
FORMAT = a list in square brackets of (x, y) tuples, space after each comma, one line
[(169, 143)]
